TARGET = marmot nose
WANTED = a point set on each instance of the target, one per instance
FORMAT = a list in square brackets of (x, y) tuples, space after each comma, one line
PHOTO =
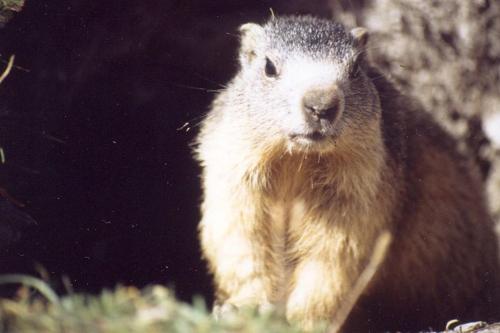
[(321, 104)]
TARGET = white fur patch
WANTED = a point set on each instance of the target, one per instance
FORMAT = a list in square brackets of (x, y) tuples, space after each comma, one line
[(300, 76), (310, 281), (303, 74)]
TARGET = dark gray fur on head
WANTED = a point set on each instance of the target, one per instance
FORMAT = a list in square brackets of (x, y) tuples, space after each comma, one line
[(311, 35)]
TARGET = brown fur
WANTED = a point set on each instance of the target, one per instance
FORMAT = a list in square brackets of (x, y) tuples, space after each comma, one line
[(295, 229)]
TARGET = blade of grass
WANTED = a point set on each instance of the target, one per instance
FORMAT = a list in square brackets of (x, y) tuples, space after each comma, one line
[(7, 69), (32, 282)]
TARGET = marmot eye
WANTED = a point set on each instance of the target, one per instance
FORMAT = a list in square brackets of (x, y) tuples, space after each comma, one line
[(270, 68)]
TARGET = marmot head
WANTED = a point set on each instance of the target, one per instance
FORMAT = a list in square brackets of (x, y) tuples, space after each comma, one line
[(305, 81)]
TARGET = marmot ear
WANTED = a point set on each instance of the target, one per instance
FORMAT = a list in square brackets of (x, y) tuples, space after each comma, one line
[(360, 36), (252, 36)]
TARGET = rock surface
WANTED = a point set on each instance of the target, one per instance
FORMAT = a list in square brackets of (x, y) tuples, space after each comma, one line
[(446, 54)]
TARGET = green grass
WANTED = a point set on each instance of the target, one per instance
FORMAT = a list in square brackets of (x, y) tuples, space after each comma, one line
[(11, 4), (124, 309)]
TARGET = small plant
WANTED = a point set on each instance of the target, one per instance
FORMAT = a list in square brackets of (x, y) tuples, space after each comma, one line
[(124, 309)]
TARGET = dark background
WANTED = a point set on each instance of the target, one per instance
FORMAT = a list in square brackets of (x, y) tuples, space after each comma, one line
[(89, 122)]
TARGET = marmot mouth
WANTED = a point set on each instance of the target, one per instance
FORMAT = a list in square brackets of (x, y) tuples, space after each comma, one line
[(313, 136)]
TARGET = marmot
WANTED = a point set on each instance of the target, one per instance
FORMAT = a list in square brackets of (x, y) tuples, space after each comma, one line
[(308, 155)]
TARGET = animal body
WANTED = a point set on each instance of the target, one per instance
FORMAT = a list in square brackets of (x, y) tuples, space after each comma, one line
[(308, 155)]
